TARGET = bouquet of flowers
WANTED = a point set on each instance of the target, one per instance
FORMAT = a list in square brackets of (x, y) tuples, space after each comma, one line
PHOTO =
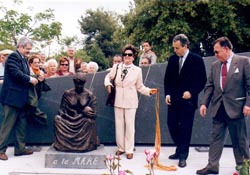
[(113, 164), (151, 156)]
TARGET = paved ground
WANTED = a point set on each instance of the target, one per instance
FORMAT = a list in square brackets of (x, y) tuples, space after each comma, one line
[(35, 164)]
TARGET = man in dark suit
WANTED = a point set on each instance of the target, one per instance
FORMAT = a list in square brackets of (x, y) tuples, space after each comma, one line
[(228, 89), (185, 77), (15, 98)]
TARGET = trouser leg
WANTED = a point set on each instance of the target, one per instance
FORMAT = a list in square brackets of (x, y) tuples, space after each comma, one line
[(238, 134), (186, 126), (10, 117), (173, 125), (218, 137), (20, 131), (120, 128), (129, 130)]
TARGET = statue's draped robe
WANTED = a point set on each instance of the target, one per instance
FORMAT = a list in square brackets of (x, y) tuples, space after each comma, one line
[(75, 131)]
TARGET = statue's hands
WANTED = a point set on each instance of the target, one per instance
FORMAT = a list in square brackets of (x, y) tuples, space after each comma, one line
[(89, 111)]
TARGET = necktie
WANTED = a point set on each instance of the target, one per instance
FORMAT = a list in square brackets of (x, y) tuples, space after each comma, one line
[(180, 63), (26, 65), (223, 74)]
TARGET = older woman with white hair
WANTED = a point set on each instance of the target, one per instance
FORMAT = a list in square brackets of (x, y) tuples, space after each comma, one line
[(51, 68), (92, 67)]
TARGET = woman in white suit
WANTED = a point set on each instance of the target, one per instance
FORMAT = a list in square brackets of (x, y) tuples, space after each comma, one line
[(128, 81)]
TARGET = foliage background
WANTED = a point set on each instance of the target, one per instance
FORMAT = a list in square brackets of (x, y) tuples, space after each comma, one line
[(158, 21)]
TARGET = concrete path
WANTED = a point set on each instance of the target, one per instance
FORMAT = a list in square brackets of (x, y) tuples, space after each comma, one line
[(35, 164)]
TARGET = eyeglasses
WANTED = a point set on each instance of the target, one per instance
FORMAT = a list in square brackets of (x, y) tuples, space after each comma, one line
[(64, 64), (127, 54)]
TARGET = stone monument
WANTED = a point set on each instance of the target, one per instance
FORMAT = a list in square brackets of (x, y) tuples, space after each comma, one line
[(75, 130)]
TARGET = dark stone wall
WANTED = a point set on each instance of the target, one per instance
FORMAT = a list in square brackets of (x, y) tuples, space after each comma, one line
[(145, 119)]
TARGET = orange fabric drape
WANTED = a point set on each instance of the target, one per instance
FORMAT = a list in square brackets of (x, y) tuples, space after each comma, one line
[(157, 164)]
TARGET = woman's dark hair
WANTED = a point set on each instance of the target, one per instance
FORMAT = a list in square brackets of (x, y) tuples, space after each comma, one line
[(64, 59), (132, 48), (32, 57)]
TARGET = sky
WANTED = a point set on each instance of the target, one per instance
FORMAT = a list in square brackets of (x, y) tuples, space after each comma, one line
[(68, 12)]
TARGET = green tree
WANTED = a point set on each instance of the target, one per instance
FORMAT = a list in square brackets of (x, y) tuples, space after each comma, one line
[(98, 56), (100, 28), (41, 27), (202, 21)]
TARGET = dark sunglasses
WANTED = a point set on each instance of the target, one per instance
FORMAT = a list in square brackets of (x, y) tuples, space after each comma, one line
[(127, 54), (64, 64)]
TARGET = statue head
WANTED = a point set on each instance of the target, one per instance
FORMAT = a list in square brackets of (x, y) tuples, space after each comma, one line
[(79, 80)]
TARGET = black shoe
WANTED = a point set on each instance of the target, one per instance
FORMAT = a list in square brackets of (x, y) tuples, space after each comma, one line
[(205, 171), (174, 156), (182, 163)]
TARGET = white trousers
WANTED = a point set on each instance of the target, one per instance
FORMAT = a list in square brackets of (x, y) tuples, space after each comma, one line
[(125, 129)]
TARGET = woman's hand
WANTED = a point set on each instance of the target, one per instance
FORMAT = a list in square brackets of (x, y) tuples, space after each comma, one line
[(41, 77), (108, 88), (153, 91)]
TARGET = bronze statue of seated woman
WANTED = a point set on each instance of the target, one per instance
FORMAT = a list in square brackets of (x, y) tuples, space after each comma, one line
[(75, 125)]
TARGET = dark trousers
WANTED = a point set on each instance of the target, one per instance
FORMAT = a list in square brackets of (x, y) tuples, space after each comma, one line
[(180, 125), (238, 134), (14, 119)]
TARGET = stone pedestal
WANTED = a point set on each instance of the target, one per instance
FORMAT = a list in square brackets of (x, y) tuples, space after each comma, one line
[(89, 160)]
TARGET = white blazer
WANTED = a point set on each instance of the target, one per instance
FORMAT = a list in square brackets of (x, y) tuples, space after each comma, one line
[(126, 89)]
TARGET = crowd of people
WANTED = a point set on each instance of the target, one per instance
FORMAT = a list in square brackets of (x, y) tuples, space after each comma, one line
[(65, 66), (69, 64), (226, 90)]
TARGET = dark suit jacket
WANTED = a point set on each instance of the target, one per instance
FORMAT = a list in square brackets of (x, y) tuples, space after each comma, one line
[(237, 88), (192, 78), (16, 84)]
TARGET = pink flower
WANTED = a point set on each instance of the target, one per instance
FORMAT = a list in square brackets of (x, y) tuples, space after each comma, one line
[(121, 173), (151, 156), (146, 152), (156, 154), (109, 157), (236, 173), (148, 158), (113, 165)]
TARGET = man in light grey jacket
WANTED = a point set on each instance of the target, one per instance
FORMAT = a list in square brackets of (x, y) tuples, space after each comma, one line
[(228, 92)]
